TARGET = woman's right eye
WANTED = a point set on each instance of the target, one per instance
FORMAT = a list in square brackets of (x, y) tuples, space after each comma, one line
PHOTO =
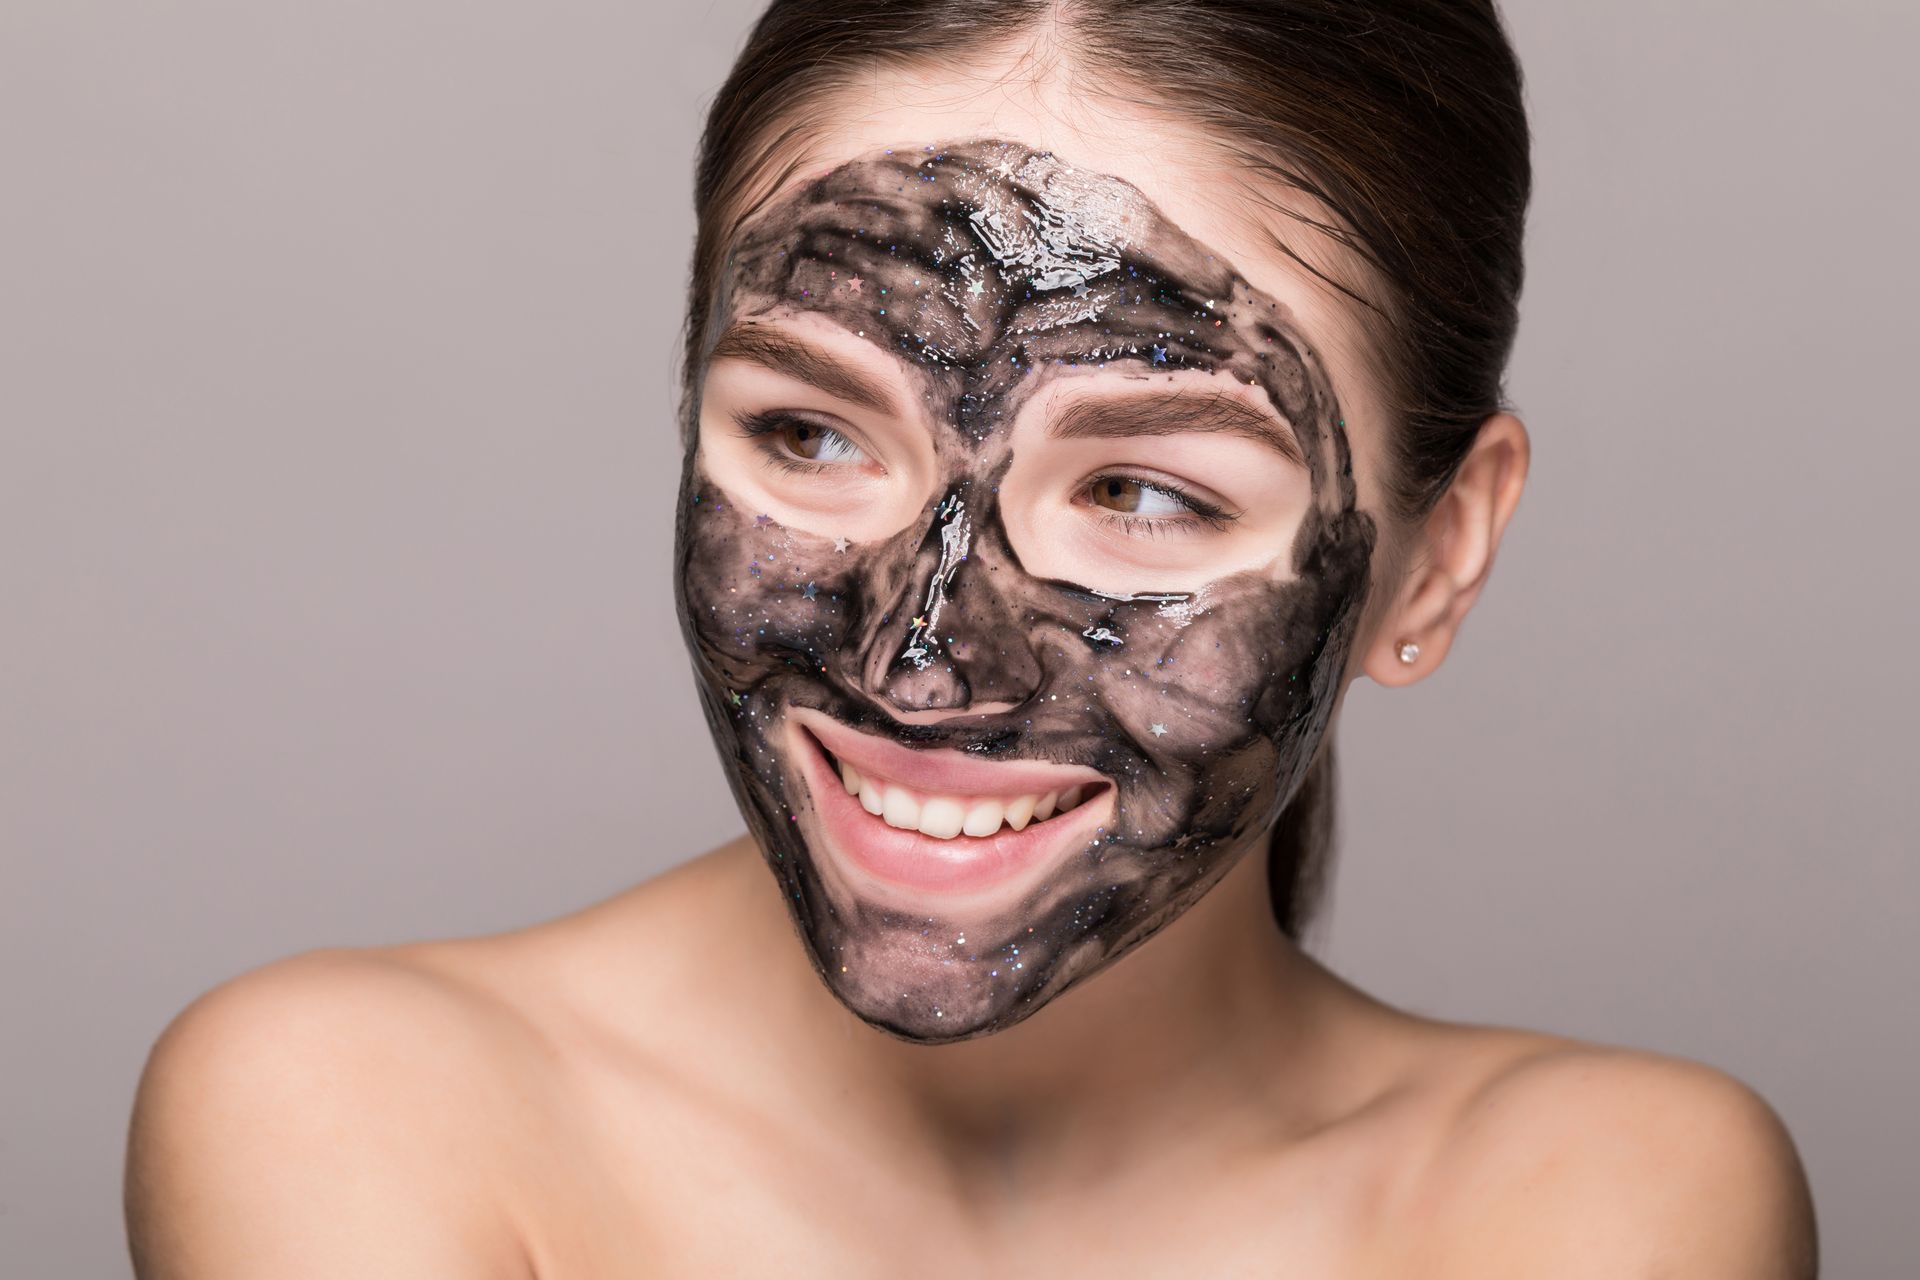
[(796, 443)]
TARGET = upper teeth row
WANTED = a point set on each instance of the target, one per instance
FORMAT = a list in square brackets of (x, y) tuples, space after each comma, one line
[(945, 817)]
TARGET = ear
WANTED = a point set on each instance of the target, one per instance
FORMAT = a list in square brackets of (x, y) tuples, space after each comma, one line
[(1453, 554)]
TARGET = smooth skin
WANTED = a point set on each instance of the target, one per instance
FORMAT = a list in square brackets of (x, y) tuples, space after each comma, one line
[(659, 1085)]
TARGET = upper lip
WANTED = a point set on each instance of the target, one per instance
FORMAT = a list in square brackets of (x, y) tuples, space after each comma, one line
[(939, 770)]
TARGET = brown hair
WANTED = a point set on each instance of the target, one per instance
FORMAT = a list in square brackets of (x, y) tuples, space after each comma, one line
[(1396, 128)]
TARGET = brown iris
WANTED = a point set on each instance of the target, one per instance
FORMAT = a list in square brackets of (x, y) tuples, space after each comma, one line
[(803, 439), (1118, 494)]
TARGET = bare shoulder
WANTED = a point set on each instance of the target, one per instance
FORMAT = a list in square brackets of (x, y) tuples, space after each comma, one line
[(1577, 1159), (317, 1117)]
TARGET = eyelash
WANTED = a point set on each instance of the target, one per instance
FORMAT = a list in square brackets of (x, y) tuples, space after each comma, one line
[(762, 427), (1200, 510)]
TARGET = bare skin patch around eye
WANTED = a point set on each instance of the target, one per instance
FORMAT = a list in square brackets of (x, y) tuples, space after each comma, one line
[(990, 271)]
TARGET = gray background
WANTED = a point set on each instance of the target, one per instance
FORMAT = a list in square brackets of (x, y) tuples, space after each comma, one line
[(335, 344)]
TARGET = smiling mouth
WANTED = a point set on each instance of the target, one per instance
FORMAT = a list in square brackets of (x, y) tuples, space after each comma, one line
[(947, 817), (934, 820)]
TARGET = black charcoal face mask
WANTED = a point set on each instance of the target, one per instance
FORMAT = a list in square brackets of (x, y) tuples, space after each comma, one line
[(988, 271)]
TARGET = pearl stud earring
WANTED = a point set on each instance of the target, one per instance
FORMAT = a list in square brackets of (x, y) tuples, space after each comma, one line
[(1409, 652)]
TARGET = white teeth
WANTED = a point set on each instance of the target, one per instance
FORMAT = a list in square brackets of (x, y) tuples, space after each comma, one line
[(942, 817), (1020, 811), (945, 817), (899, 809), (983, 817)]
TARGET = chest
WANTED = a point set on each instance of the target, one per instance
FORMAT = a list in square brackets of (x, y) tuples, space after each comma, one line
[(685, 1195)]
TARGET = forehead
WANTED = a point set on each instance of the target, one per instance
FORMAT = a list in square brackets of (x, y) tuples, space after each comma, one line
[(1000, 265), (992, 214)]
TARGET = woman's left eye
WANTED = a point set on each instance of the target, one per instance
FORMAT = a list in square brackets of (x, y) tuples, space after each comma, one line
[(1144, 506)]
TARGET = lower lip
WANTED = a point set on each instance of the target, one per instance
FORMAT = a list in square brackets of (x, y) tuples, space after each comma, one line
[(921, 863)]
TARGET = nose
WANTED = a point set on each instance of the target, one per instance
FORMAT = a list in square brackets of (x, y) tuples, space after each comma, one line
[(956, 640)]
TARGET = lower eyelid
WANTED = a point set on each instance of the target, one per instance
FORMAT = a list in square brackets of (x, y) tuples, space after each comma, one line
[(1215, 520), (1155, 526), (782, 462), (774, 456)]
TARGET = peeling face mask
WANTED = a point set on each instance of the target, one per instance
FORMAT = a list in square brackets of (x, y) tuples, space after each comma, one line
[(995, 710)]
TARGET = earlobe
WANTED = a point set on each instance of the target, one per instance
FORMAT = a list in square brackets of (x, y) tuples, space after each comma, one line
[(1454, 557)]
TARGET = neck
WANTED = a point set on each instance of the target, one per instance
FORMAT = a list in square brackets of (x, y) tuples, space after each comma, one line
[(1218, 1005)]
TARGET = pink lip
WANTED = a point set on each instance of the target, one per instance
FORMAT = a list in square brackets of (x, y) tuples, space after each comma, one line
[(939, 771), (1003, 864)]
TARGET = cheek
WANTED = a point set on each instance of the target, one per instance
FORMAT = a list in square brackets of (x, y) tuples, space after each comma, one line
[(1199, 679), (1218, 716), (753, 591)]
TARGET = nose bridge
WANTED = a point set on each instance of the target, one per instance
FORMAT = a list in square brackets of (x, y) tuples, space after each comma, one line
[(934, 654), (946, 544), (906, 663)]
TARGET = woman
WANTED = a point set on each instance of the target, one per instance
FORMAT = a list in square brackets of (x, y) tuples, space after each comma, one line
[(1078, 397)]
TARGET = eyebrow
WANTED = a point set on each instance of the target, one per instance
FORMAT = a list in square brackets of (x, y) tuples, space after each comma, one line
[(783, 353), (1172, 413)]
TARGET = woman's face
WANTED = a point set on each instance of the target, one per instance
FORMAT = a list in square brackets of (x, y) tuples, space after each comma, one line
[(1020, 554)]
